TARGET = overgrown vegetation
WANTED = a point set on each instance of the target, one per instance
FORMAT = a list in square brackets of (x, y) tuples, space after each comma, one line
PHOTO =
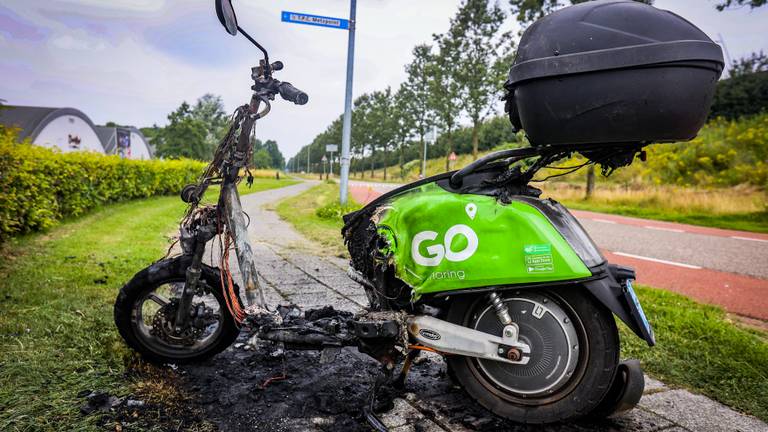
[(57, 337), (40, 186)]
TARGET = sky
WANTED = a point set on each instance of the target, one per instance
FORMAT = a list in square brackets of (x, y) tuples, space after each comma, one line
[(135, 61)]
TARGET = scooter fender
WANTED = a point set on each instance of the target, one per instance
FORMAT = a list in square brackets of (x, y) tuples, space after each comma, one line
[(614, 290)]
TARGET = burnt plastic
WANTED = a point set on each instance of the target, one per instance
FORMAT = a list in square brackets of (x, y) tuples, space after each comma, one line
[(607, 73)]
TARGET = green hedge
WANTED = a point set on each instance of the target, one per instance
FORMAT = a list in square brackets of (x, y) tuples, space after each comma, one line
[(39, 186)]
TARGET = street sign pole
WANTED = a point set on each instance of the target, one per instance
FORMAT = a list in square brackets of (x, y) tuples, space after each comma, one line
[(347, 127), (341, 24)]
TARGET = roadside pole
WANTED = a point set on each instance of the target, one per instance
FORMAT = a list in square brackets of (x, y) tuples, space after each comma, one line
[(341, 24), (308, 170), (347, 127)]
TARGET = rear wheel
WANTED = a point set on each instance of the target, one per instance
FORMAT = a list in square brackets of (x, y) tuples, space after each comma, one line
[(145, 312), (574, 355)]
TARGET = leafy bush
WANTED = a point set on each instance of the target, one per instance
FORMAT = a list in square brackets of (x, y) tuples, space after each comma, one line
[(40, 186), (334, 210), (726, 153), (741, 95)]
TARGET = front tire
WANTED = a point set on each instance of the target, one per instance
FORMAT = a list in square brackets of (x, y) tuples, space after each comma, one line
[(574, 355), (154, 342)]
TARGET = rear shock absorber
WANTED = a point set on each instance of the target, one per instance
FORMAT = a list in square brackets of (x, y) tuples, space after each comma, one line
[(511, 330), (502, 311)]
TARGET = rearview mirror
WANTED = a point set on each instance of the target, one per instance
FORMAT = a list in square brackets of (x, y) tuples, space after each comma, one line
[(226, 15)]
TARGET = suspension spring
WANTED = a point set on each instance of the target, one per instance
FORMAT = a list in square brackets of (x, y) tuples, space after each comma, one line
[(501, 309)]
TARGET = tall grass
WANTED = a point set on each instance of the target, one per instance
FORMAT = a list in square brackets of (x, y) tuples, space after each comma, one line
[(739, 199)]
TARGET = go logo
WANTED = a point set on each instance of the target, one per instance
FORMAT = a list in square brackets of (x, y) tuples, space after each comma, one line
[(439, 251)]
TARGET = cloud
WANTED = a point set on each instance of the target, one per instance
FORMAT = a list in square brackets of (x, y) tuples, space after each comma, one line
[(78, 40), (15, 27)]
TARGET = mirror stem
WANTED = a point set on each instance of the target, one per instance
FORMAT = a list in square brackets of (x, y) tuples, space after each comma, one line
[(253, 41)]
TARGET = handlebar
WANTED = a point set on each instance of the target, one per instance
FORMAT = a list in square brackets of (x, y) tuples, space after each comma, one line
[(292, 94)]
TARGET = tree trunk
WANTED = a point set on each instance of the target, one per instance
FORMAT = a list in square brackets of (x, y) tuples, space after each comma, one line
[(590, 181), (449, 141), (422, 164), (402, 160), (373, 153), (475, 127), (386, 160)]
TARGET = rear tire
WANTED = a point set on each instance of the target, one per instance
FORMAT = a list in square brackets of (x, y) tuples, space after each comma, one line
[(535, 393), (171, 271)]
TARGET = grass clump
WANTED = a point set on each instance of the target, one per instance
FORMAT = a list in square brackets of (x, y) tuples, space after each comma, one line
[(304, 211), (335, 210), (699, 348)]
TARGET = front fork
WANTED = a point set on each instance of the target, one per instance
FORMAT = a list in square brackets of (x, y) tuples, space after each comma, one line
[(192, 280)]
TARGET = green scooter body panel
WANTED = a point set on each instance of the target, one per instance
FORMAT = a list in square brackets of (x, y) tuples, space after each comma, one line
[(441, 241)]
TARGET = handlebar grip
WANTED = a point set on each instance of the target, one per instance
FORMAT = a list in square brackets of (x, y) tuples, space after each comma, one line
[(291, 93)]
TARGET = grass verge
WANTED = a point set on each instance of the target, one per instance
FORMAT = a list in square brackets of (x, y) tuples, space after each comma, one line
[(699, 348), (301, 211), (57, 337)]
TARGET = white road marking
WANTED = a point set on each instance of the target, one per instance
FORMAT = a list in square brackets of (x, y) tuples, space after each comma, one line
[(604, 221), (690, 266), (663, 229), (749, 238)]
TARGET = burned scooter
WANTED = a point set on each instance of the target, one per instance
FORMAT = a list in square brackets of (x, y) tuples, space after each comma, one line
[(470, 264)]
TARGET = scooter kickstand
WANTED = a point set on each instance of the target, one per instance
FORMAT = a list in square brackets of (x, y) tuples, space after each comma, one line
[(385, 374), (399, 382)]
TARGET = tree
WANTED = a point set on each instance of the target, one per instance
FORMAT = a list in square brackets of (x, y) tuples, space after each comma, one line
[(209, 110), (362, 130), (528, 11), (414, 98), (267, 154), (383, 123), (482, 59), (745, 92), (725, 4), (756, 62), (261, 159), (183, 137), (193, 131), (444, 90), (404, 123)]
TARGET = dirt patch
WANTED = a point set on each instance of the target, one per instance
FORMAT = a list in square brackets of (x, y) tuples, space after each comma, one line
[(268, 389)]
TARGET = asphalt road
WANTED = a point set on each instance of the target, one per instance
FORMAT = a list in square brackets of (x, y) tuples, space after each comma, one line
[(723, 267)]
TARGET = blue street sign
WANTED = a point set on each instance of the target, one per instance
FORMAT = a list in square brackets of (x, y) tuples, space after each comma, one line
[(315, 20)]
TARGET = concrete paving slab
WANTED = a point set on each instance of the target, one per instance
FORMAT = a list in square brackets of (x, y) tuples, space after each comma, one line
[(699, 413)]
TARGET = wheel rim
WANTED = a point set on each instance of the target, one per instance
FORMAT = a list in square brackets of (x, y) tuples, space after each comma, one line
[(145, 322), (558, 347)]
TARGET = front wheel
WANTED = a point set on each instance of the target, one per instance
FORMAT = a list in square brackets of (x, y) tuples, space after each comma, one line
[(574, 355), (145, 312)]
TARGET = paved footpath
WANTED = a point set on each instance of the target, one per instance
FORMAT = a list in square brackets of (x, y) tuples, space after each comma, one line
[(292, 272), (723, 267)]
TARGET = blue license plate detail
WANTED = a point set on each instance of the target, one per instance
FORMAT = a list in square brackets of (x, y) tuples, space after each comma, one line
[(638, 308)]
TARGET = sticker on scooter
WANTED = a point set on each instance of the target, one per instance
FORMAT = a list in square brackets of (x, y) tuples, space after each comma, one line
[(440, 251), (538, 258), (471, 210), (429, 334)]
